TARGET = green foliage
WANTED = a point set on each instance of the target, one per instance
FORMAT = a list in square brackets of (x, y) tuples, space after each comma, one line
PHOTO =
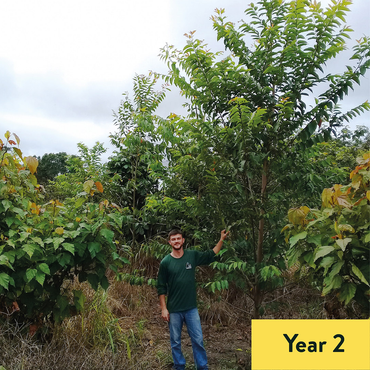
[(334, 242), (45, 245), (85, 167), (50, 166), (137, 164), (247, 114)]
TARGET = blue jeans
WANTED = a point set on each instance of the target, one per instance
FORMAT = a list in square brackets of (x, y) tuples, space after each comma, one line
[(192, 322)]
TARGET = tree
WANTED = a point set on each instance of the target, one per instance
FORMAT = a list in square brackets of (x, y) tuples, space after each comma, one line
[(247, 112), (50, 166), (135, 164), (333, 244)]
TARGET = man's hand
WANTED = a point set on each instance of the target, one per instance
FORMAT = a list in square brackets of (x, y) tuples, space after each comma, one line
[(224, 234), (165, 315)]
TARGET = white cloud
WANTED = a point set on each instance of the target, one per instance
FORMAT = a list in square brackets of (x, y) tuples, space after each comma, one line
[(87, 41), (64, 64)]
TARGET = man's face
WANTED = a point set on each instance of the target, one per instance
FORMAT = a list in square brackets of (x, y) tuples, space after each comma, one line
[(176, 241)]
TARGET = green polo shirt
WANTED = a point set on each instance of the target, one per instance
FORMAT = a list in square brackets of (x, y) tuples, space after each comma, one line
[(176, 278)]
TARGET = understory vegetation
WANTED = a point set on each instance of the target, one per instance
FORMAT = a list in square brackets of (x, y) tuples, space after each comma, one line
[(81, 240)]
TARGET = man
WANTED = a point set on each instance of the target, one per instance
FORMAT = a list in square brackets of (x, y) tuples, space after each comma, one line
[(176, 279)]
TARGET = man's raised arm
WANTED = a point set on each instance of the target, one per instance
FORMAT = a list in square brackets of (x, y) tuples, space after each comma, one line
[(218, 246)]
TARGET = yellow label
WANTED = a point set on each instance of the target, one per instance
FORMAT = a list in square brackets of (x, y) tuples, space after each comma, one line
[(310, 344)]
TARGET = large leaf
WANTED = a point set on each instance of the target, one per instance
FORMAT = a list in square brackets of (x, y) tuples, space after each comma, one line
[(69, 247), (5, 280), (32, 164), (108, 234), (30, 274), (336, 268), (294, 239), (331, 283), (40, 277), (94, 248), (327, 262), (323, 251), (88, 185), (44, 268), (99, 186), (30, 249), (297, 215), (343, 243), (347, 292), (359, 274)]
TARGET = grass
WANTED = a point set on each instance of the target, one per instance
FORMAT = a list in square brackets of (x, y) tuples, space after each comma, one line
[(121, 328)]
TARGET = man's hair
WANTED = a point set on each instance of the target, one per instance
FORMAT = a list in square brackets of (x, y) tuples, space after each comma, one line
[(174, 232)]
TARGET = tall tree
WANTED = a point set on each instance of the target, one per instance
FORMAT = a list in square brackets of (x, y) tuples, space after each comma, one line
[(137, 156), (247, 112)]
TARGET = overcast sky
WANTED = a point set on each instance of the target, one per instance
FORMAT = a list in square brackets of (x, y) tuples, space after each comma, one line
[(65, 64)]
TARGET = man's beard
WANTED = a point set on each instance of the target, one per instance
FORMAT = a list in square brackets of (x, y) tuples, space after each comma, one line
[(177, 247)]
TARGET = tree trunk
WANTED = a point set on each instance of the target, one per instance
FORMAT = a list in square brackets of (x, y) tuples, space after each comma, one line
[(258, 294)]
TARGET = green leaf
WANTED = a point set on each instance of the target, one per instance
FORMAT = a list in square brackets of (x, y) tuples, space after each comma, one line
[(294, 239), (62, 302), (7, 204), (308, 257), (315, 239), (343, 243), (40, 277), (347, 292), (93, 279), (9, 220), (326, 262), (44, 268), (107, 234), (4, 260), (105, 283), (94, 248), (323, 251), (359, 274), (57, 241), (336, 268), (5, 280), (30, 274), (218, 285), (331, 283), (118, 219), (80, 202), (79, 299), (30, 249), (69, 247), (64, 259)]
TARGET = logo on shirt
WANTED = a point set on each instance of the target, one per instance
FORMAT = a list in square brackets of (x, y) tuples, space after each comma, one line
[(188, 266)]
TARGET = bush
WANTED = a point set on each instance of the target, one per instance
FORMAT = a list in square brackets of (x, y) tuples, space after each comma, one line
[(43, 246)]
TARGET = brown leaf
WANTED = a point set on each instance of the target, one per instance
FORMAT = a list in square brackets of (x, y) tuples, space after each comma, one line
[(32, 164), (17, 138), (99, 186), (19, 152)]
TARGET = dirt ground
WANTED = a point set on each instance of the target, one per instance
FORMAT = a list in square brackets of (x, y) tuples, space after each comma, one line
[(228, 346)]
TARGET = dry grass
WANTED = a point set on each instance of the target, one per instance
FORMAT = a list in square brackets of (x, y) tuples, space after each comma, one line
[(121, 328)]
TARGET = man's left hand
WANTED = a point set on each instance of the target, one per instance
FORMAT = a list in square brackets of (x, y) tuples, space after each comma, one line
[(224, 234)]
